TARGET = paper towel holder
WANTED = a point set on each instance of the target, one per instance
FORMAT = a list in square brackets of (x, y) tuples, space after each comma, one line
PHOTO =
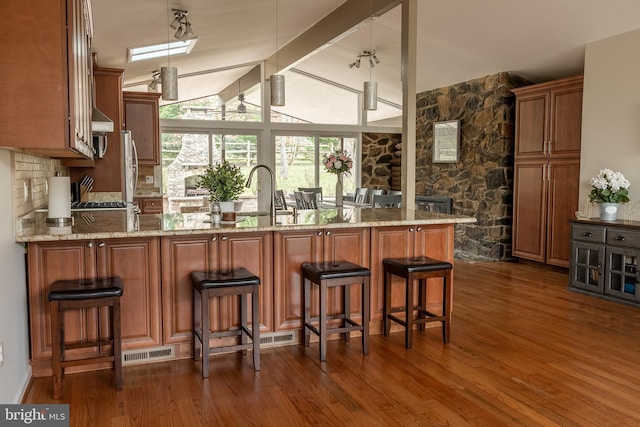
[(59, 222), (62, 221)]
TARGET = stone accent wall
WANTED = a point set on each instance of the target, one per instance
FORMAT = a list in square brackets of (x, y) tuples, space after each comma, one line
[(481, 183), (377, 152)]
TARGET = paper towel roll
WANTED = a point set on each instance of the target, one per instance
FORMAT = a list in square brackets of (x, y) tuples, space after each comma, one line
[(59, 197)]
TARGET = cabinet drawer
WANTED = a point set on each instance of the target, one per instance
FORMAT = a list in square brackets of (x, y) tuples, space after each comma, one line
[(623, 237), (587, 233)]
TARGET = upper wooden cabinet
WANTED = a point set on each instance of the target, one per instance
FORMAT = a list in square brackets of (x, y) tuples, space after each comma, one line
[(547, 169), (141, 117), (47, 103), (549, 119)]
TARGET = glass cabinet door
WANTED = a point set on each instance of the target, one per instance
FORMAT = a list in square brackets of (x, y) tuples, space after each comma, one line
[(622, 273), (587, 266)]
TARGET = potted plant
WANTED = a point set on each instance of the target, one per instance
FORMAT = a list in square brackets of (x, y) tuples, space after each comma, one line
[(608, 189), (225, 183)]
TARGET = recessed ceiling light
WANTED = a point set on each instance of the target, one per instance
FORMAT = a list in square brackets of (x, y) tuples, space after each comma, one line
[(178, 47)]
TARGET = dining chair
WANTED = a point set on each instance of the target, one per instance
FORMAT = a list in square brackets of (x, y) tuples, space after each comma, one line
[(386, 201), (305, 200), (316, 190), (280, 201), (361, 195), (374, 192), (393, 192)]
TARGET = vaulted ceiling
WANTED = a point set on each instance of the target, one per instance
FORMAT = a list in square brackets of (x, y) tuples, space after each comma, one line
[(458, 40)]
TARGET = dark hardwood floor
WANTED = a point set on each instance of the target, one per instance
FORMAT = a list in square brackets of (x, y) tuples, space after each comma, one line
[(524, 351)]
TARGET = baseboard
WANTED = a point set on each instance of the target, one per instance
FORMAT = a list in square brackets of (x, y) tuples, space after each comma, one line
[(25, 386)]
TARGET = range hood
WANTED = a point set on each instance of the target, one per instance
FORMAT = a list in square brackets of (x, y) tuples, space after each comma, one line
[(100, 123)]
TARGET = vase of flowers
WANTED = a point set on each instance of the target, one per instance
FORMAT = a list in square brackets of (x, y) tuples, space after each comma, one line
[(225, 182), (338, 162), (608, 189)]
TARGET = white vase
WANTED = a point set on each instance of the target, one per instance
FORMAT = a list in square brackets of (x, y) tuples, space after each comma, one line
[(608, 211), (339, 190)]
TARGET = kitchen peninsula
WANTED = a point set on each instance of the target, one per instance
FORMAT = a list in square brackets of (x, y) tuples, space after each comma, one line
[(154, 255)]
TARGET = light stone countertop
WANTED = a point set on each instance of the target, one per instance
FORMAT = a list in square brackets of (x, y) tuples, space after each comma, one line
[(124, 223)]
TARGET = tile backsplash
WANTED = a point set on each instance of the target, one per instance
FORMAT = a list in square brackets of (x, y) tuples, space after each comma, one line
[(30, 173)]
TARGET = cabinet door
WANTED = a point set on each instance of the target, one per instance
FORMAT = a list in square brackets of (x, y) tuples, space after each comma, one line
[(141, 117), (621, 278), (566, 120), (137, 262), (180, 256), (530, 210), (253, 251), (435, 242), (587, 266), (387, 242), (292, 248), (564, 182), (48, 262), (532, 124)]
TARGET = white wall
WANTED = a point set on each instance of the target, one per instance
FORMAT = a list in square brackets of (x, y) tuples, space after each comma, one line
[(15, 372), (611, 114)]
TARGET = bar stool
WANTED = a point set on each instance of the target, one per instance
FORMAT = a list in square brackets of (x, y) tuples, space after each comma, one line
[(215, 284), (328, 275), (76, 294), (412, 269)]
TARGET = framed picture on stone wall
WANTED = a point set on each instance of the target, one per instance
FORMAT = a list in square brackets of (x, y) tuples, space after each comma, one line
[(446, 141)]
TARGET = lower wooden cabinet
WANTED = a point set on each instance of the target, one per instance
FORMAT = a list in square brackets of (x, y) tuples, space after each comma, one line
[(292, 248), (135, 260), (148, 205), (183, 254)]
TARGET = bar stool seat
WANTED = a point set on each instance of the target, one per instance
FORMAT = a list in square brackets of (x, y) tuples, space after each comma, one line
[(209, 284), (328, 275), (81, 294), (411, 269)]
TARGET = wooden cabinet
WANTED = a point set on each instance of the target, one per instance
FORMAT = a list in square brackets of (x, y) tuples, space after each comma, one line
[(183, 254), (106, 171), (547, 169), (141, 117), (292, 248), (46, 105), (604, 260), (149, 205), (407, 241), (136, 261)]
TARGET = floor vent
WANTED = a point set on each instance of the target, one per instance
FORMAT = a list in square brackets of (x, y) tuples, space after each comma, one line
[(278, 339), (157, 354)]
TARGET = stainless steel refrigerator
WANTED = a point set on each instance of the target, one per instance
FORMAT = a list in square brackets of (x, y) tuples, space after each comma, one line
[(130, 167)]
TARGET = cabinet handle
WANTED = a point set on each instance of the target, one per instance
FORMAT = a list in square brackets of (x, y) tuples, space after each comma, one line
[(214, 239), (419, 228), (587, 234), (101, 245), (621, 238), (223, 238), (90, 245), (411, 229), (328, 233), (319, 233)]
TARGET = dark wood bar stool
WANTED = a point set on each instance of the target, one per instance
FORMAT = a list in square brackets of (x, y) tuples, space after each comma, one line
[(215, 284), (421, 269), (328, 275), (77, 294)]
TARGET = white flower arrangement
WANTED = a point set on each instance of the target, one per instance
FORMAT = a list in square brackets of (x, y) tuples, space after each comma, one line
[(337, 162), (609, 187)]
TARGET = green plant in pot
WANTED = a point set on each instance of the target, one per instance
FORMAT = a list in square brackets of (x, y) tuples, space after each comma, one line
[(225, 183)]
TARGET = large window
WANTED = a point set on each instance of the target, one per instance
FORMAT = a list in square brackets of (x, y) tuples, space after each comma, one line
[(185, 156), (299, 162)]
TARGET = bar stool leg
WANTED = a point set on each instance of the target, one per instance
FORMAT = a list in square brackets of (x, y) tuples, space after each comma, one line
[(346, 309), (322, 325), (196, 324), (422, 301), (365, 315), (306, 290), (447, 305), (117, 343), (255, 328), (243, 321), (386, 323), (56, 350), (204, 304), (408, 340)]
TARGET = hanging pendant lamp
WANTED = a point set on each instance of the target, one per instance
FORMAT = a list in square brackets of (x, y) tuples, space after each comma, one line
[(169, 80), (276, 81), (371, 87)]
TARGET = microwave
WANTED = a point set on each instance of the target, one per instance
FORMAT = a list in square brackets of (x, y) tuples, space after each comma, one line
[(99, 146)]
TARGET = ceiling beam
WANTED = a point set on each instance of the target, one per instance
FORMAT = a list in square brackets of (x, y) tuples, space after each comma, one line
[(347, 18)]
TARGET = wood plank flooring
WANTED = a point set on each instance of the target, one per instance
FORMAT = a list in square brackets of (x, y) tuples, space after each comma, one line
[(525, 351)]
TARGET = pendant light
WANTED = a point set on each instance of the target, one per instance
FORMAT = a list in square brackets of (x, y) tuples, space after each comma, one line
[(169, 74), (371, 87), (276, 81)]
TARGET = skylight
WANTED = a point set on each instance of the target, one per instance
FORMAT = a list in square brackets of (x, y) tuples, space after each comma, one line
[(178, 47)]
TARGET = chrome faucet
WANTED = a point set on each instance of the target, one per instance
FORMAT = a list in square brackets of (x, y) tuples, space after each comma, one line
[(272, 210)]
